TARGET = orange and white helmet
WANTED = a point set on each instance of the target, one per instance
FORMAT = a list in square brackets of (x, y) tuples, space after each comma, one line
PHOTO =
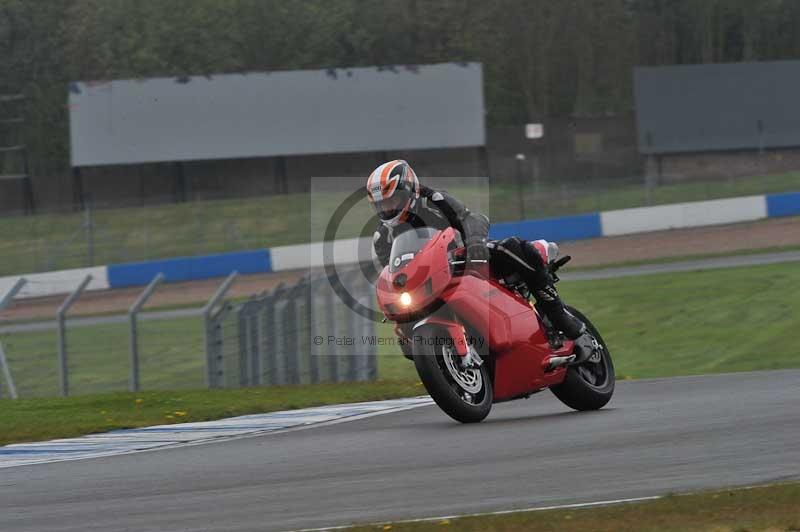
[(393, 190)]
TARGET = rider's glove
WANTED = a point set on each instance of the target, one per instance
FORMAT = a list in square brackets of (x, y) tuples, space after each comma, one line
[(382, 245), (477, 251)]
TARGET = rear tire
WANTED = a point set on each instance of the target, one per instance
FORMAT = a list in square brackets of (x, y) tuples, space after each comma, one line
[(459, 400), (588, 386)]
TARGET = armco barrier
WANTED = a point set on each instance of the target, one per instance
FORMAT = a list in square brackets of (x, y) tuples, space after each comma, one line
[(346, 251)]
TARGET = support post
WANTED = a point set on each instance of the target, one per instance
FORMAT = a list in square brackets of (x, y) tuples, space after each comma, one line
[(332, 351), (5, 300), (280, 175), (255, 345), (133, 380), (242, 325), (88, 227), (61, 318), (368, 330), (12, 390), (520, 158), (289, 326), (351, 329), (313, 330), (271, 343), (483, 164), (183, 189), (213, 355), (77, 188), (247, 319)]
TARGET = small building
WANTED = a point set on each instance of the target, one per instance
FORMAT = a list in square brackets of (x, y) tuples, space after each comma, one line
[(233, 135), (718, 120)]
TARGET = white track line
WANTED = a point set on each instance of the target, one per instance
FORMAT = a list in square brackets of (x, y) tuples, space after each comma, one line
[(483, 514), (129, 441), (573, 506)]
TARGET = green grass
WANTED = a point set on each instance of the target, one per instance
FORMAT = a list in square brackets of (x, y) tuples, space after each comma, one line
[(738, 319), (171, 353), (172, 356), (57, 241), (40, 419), (768, 508), (681, 258)]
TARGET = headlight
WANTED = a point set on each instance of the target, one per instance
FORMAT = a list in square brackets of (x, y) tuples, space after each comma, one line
[(405, 299)]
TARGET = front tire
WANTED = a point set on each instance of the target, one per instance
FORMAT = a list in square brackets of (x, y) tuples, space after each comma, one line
[(464, 394), (588, 386)]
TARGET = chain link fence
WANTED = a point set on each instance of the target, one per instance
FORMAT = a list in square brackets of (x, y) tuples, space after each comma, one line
[(293, 334), (300, 334)]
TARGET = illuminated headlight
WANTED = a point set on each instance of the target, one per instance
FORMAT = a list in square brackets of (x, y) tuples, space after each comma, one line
[(405, 299)]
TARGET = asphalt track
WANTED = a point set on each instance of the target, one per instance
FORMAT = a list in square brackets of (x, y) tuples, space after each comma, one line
[(656, 436)]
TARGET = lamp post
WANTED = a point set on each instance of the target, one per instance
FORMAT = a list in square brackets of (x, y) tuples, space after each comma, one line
[(520, 157)]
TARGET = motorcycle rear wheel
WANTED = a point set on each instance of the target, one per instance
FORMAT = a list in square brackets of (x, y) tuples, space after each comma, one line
[(588, 386), (464, 394)]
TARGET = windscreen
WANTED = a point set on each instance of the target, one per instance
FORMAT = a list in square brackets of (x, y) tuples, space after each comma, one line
[(407, 244)]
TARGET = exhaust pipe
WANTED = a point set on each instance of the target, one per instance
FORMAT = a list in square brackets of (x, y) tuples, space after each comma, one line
[(557, 362)]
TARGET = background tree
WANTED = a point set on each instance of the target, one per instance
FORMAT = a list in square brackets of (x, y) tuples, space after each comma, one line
[(541, 58)]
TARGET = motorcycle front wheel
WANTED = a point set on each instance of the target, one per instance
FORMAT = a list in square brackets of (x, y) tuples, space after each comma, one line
[(463, 393)]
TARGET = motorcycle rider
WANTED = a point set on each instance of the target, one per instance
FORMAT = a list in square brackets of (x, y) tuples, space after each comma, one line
[(400, 201)]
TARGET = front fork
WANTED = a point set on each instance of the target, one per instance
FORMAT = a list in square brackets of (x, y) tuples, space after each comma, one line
[(455, 331)]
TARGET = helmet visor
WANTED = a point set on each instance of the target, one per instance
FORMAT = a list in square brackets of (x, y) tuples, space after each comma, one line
[(393, 205)]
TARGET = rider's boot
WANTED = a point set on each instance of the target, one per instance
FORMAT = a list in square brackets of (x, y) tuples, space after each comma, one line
[(572, 327), (535, 272)]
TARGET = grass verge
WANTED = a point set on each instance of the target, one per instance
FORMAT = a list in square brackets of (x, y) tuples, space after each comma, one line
[(712, 321), (684, 258), (768, 508), (41, 419)]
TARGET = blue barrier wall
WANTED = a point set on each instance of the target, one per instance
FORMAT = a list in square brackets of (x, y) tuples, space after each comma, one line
[(578, 227), (189, 268), (558, 229), (787, 204)]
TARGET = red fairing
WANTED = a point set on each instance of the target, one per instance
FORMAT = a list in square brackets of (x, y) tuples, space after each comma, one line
[(453, 328), (429, 264), (513, 331), (487, 309)]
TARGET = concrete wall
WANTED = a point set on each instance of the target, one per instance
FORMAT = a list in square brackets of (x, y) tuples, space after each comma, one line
[(59, 282), (722, 165), (680, 215)]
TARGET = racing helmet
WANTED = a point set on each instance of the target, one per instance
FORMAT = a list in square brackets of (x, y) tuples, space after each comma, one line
[(393, 191)]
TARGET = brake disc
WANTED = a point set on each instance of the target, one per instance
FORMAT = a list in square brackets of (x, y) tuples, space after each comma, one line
[(470, 379)]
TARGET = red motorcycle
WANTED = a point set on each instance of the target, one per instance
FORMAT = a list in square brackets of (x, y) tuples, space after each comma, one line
[(476, 340)]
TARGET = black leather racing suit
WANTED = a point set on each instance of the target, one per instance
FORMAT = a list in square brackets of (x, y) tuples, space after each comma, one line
[(512, 255), (440, 210)]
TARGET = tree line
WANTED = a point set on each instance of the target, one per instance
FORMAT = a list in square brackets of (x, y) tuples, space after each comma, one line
[(542, 58)]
